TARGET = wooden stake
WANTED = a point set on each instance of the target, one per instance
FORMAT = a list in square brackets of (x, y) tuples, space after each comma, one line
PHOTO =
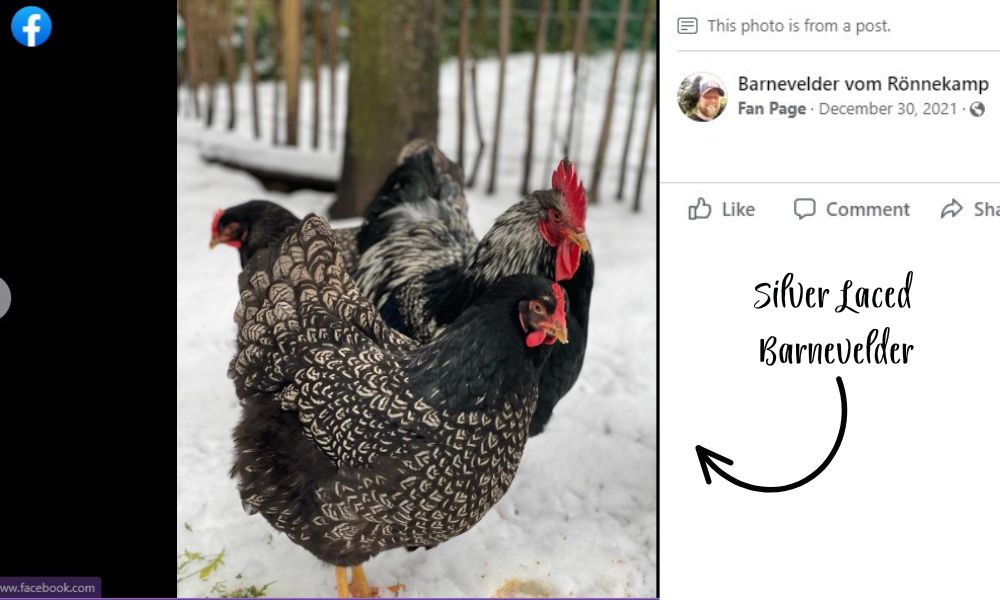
[(480, 32), (292, 36), (229, 55), (332, 43), (579, 35), (645, 142), (609, 103), (543, 23), (463, 43), (317, 43), (503, 44), (647, 28), (250, 55)]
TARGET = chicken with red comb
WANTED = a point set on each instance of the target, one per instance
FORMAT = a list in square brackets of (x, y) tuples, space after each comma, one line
[(422, 265)]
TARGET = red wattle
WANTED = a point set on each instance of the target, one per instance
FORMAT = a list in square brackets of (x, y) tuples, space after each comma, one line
[(567, 260), (535, 338)]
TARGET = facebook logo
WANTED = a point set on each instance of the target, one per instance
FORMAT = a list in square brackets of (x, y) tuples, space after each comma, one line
[(31, 26)]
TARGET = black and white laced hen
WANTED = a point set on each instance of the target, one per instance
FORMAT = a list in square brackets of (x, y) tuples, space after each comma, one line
[(354, 439)]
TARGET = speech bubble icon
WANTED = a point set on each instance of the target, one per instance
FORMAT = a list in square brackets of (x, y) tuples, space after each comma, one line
[(805, 207)]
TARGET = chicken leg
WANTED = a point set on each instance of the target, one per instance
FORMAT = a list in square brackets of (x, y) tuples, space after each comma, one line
[(343, 590), (358, 587)]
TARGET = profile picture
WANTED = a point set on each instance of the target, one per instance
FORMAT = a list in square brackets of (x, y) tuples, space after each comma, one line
[(701, 97)]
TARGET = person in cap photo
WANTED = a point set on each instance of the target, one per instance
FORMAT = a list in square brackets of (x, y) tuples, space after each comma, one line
[(702, 98)]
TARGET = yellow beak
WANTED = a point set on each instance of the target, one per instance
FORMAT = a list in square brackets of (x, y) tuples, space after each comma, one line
[(580, 239), (557, 331)]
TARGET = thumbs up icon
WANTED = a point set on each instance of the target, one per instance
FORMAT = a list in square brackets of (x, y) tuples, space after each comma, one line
[(702, 210)]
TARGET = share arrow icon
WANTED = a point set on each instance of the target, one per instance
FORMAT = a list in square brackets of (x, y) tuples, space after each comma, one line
[(952, 208)]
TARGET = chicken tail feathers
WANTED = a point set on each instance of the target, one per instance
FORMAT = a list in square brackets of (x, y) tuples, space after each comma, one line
[(296, 298)]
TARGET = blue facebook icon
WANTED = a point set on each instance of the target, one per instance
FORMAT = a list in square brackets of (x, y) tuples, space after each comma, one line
[(31, 26)]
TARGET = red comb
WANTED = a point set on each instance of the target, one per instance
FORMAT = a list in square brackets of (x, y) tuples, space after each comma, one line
[(564, 179), (215, 221), (560, 314)]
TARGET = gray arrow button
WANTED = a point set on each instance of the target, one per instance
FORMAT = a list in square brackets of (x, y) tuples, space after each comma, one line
[(4, 297)]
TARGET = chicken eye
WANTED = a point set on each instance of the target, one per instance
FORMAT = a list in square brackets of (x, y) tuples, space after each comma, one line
[(554, 215), (537, 308)]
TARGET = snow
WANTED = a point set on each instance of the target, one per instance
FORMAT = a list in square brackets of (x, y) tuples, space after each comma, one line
[(580, 517)]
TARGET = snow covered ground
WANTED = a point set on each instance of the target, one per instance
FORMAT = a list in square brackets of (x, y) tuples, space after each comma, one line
[(580, 517)]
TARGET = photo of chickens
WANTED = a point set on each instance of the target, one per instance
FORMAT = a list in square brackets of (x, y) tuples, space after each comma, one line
[(406, 369)]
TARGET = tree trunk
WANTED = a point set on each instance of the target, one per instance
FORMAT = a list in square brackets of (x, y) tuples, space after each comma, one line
[(190, 54), (291, 20), (332, 42), (250, 55), (392, 93), (230, 57), (463, 43), (212, 57), (503, 44), (647, 28), (543, 23), (276, 78), (180, 65), (317, 43), (609, 105), (477, 49), (579, 35), (580, 116), (645, 141)]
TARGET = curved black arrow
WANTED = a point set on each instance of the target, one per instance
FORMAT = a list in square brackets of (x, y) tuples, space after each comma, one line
[(706, 456)]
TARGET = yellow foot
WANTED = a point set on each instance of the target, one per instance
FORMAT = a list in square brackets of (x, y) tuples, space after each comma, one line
[(343, 590), (359, 585)]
